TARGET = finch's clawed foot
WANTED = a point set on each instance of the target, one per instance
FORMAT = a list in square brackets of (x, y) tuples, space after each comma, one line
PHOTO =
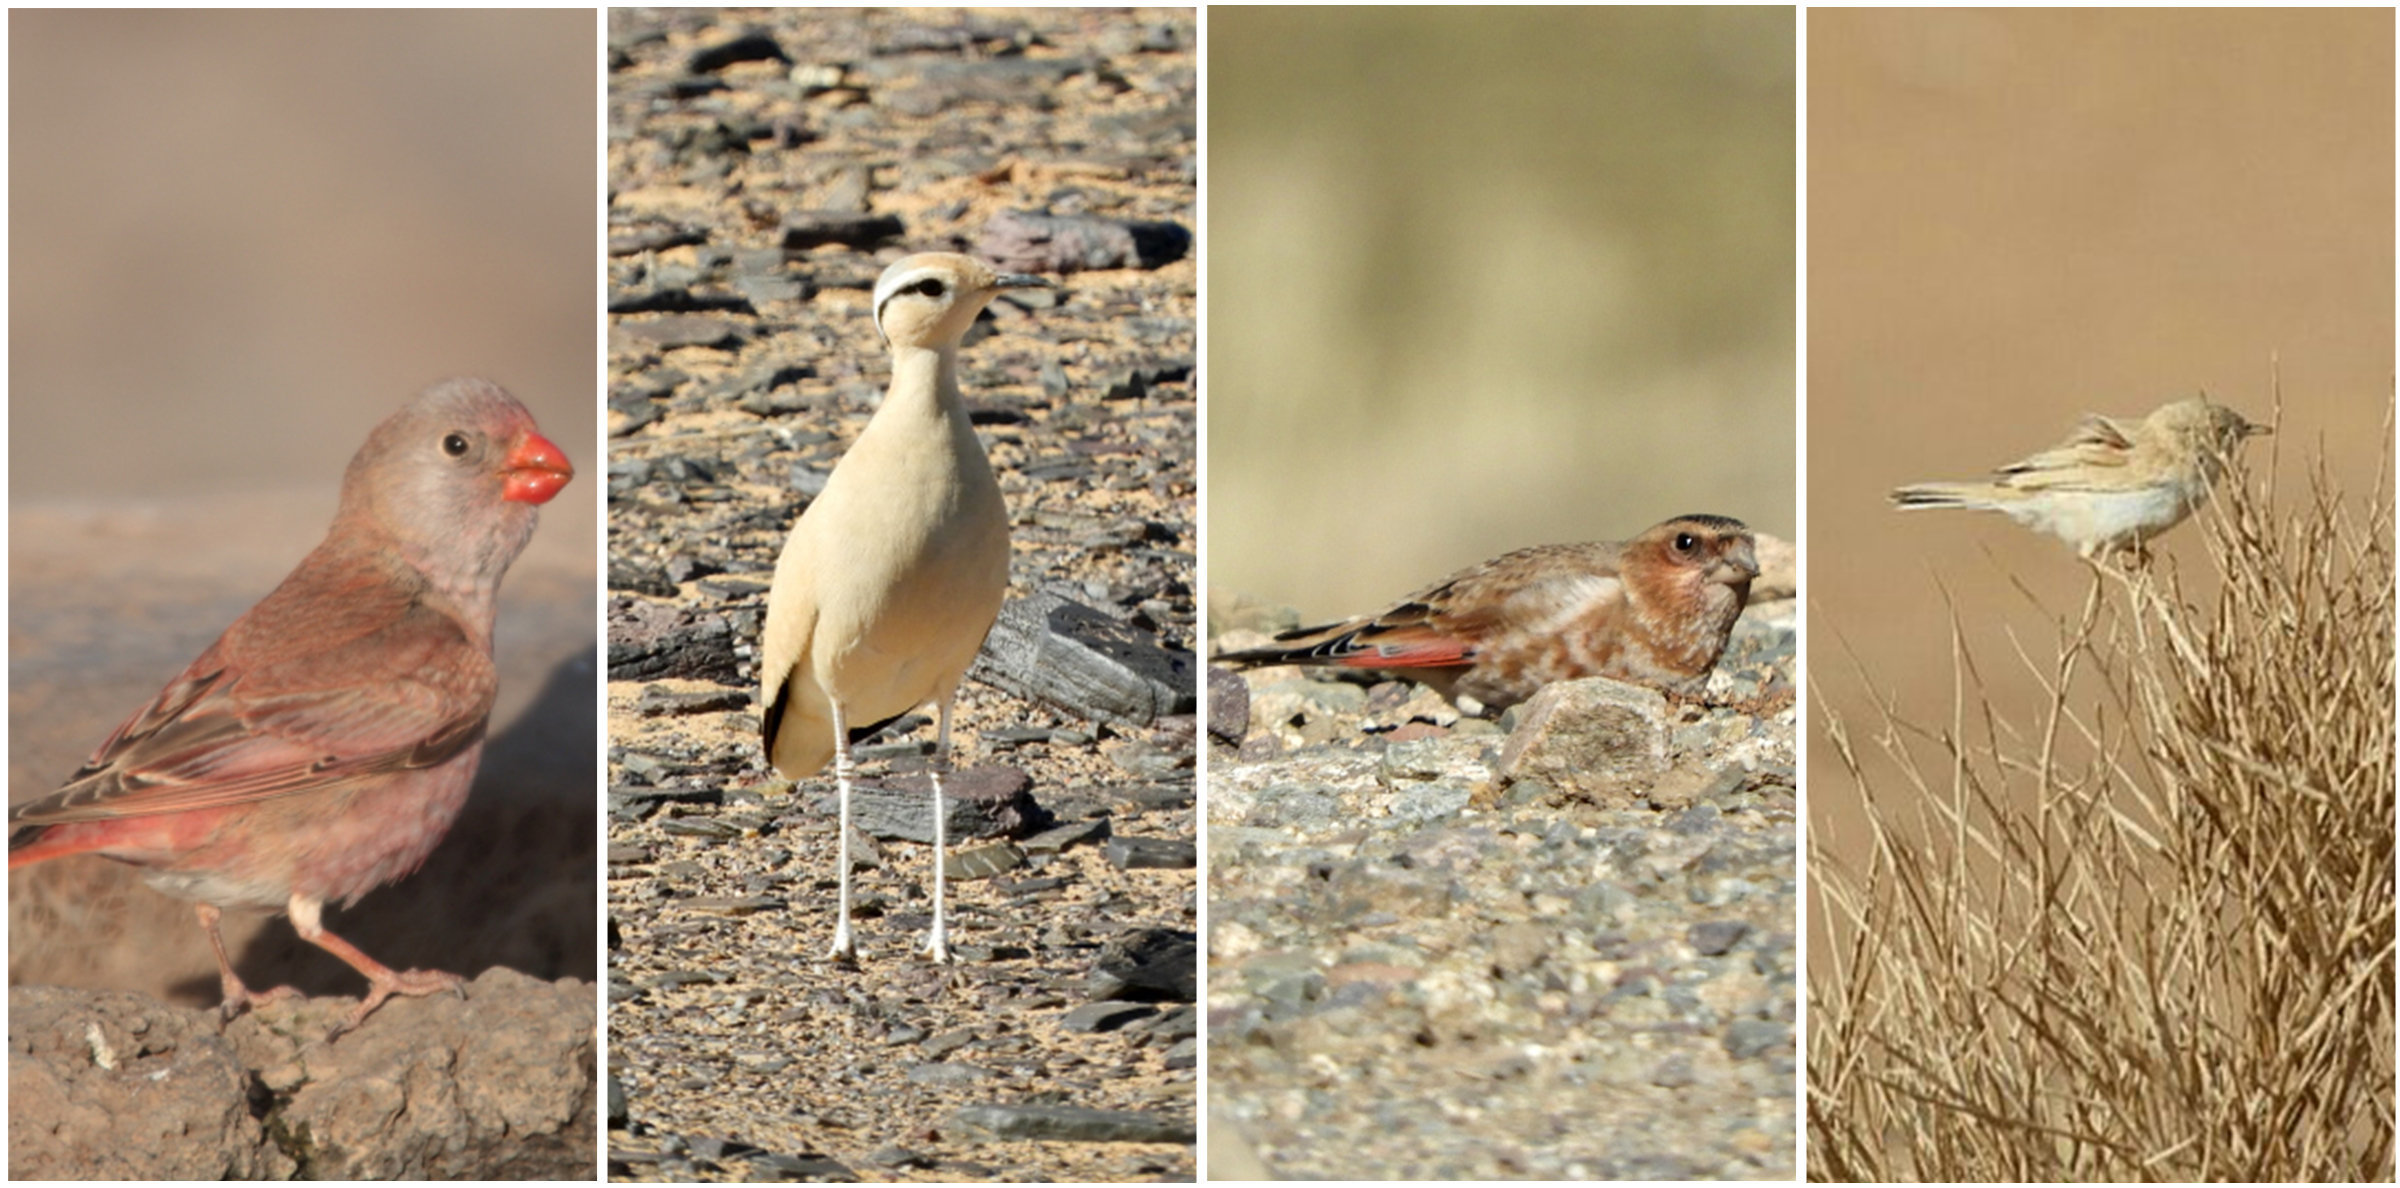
[(415, 983), (240, 998), (382, 981)]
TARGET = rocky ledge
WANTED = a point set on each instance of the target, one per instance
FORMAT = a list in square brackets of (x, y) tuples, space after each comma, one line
[(497, 1085)]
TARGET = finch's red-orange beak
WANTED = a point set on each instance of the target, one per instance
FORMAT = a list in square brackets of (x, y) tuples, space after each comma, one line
[(536, 471)]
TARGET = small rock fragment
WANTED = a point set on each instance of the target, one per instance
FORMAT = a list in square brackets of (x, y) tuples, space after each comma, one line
[(1148, 964), (1596, 739), (1084, 662)]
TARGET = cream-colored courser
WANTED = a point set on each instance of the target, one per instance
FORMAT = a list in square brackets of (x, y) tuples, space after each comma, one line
[(893, 575)]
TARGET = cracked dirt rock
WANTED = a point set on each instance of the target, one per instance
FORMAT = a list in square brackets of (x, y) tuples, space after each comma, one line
[(115, 1085)]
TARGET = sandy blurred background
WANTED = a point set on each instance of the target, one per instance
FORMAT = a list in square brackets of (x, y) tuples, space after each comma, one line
[(239, 240), (1484, 278), (2017, 217)]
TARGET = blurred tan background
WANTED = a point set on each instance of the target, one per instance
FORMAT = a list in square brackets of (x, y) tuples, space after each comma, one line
[(240, 240), (1491, 277), (2017, 217)]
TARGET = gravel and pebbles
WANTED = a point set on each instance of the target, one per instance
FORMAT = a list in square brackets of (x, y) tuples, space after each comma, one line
[(764, 166), (1435, 955)]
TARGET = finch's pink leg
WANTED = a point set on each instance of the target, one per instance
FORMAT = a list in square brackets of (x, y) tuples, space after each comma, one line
[(382, 982), (238, 997)]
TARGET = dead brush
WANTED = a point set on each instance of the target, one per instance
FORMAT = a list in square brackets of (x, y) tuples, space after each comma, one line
[(2146, 932)]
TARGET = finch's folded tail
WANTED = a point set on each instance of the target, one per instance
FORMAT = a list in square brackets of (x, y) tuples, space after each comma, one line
[(1300, 645), (29, 844), (1363, 646)]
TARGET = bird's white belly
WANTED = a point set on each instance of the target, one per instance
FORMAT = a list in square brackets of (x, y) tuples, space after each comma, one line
[(2097, 516)]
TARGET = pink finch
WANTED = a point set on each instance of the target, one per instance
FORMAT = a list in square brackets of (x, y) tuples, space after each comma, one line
[(324, 744), (1654, 610)]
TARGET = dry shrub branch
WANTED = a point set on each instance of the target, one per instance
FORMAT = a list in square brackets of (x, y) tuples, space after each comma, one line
[(2146, 932)]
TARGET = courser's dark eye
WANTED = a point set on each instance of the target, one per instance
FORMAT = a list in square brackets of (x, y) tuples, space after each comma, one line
[(454, 444), (930, 287)]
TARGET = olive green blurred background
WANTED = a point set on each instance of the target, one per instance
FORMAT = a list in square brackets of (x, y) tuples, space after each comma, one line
[(1490, 277), (238, 240), (2019, 216)]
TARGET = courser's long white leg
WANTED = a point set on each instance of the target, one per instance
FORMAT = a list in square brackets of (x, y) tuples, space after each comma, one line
[(937, 946), (844, 948)]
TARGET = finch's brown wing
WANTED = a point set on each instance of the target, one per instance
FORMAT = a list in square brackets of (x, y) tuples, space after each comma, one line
[(409, 693), (1535, 590)]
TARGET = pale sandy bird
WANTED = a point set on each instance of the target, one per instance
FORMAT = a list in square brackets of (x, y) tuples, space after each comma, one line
[(894, 574), (1654, 610), (2113, 483)]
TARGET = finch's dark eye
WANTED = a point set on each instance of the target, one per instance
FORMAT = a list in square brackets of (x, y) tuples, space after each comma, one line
[(1685, 542), (455, 445), (930, 287)]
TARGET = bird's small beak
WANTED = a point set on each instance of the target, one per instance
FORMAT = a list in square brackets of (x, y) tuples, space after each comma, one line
[(1737, 565), (1022, 280), (536, 471), (2253, 429)]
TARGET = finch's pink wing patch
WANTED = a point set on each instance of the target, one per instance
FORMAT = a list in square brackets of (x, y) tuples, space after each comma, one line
[(1412, 646), (1402, 637)]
